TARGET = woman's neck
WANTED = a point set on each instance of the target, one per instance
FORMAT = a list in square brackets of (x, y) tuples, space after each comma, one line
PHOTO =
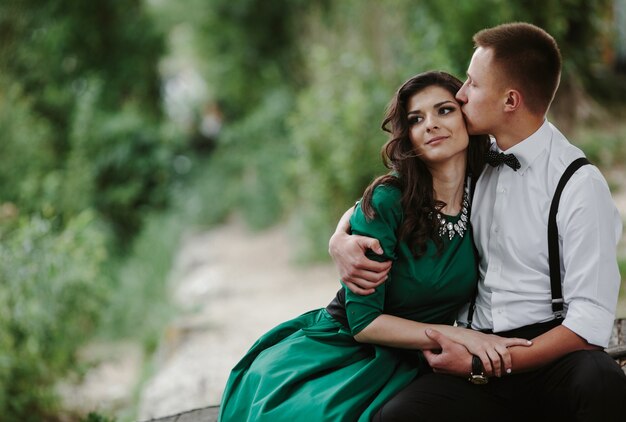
[(448, 186)]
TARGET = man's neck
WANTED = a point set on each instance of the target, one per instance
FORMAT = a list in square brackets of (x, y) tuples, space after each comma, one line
[(516, 129)]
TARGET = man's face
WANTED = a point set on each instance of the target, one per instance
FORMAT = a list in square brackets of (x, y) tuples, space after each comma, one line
[(481, 96)]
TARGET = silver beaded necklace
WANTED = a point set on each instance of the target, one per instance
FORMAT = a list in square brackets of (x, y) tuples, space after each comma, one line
[(449, 229)]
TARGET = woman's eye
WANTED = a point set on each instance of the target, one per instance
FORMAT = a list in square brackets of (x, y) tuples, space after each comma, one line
[(415, 120), (446, 110)]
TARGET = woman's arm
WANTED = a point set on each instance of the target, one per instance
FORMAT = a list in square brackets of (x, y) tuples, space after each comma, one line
[(366, 314), (389, 330)]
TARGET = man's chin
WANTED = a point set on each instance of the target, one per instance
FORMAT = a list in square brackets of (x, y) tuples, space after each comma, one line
[(473, 130)]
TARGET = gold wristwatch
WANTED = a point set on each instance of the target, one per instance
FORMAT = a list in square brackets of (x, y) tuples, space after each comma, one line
[(477, 376)]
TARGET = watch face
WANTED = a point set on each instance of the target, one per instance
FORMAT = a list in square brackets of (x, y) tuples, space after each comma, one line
[(479, 379)]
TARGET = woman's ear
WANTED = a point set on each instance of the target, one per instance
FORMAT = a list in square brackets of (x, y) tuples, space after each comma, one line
[(513, 100)]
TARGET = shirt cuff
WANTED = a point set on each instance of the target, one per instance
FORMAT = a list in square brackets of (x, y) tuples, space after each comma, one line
[(590, 321)]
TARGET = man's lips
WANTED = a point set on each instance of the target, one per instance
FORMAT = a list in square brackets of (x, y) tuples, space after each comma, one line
[(435, 139)]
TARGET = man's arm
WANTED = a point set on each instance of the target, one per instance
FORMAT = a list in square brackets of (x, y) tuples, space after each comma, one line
[(547, 348), (360, 274)]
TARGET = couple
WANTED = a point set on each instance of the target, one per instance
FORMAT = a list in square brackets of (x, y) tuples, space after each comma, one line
[(385, 348)]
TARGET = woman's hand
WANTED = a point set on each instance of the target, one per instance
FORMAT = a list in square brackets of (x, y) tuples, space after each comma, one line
[(491, 349)]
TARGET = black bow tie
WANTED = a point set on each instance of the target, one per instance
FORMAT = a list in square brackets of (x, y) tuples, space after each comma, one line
[(495, 159)]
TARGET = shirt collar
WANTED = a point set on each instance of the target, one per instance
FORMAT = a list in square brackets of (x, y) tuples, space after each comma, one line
[(530, 148)]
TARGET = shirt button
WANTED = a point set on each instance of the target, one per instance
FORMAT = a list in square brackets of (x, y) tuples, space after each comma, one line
[(496, 229), (503, 190)]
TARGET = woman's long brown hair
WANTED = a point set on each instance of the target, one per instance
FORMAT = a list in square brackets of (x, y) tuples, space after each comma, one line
[(409, 174)]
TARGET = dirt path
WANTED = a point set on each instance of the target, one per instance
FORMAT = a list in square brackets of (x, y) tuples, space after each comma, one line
[(234, 285)]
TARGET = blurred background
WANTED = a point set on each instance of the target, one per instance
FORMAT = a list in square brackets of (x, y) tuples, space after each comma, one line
[(139, 137)]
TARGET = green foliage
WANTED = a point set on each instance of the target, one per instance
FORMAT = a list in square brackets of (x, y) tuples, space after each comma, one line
[(337, 150), (52, 290), (260, 151), (81, 145), (113, 40), (252, 59), (139, 305), (459, 21), (24, 150), (131, 165), (572, 23), (335, 126), (603, 143), (100, 106), (97, 417)]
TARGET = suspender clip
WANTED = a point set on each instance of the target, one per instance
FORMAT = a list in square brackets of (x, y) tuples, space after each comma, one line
[(557, 308)]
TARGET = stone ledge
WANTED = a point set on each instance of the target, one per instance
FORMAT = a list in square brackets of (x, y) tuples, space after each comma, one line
[(205, 414)]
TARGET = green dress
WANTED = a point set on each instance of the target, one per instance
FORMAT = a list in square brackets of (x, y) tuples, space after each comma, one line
[(311, 369)]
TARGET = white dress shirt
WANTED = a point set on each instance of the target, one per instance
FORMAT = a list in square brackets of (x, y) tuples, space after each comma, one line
[(510, 216)]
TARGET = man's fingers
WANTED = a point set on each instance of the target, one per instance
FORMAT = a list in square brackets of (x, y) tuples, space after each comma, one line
[(364, 263), (430, 356), (374, 279), (371, 243), (435, 335), (364, 280), (357, 290)]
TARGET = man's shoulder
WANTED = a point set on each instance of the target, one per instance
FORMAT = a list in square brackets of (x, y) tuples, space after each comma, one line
[(561, 154)]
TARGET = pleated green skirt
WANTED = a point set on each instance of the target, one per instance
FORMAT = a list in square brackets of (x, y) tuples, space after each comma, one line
[(311, 369)]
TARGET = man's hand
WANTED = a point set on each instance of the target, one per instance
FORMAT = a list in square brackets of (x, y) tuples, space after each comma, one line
[(454, 358), (360, 274)]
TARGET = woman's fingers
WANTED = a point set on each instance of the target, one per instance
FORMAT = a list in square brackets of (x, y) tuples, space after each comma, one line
[(484, 358), (494, 353), (495, 362), (507, 361), (503, 360), (517, 342)]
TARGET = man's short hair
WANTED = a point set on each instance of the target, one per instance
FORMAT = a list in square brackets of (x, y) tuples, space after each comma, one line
[(528, 57)]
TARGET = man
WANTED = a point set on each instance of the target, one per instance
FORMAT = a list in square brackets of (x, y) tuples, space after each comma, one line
[(511, 81)]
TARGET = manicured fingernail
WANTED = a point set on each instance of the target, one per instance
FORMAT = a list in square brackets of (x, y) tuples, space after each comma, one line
[(529, 342), (508, 371), (428, 331)]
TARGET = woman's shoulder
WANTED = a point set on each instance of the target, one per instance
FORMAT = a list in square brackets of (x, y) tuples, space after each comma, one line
[(386, 196), (387, 190)]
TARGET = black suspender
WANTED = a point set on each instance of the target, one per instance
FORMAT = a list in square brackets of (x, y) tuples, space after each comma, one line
[(470, 312), (553, 245), (553, 238)]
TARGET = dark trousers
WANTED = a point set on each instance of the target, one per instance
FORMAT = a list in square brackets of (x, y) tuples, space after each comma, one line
[(581, 386)]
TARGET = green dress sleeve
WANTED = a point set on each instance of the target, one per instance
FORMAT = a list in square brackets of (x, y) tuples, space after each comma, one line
[(362, 310)]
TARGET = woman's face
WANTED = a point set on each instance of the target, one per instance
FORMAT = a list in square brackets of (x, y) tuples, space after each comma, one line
[(436, 126)]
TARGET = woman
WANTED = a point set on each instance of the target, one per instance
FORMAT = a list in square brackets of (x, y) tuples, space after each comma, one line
[(344, 361)]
